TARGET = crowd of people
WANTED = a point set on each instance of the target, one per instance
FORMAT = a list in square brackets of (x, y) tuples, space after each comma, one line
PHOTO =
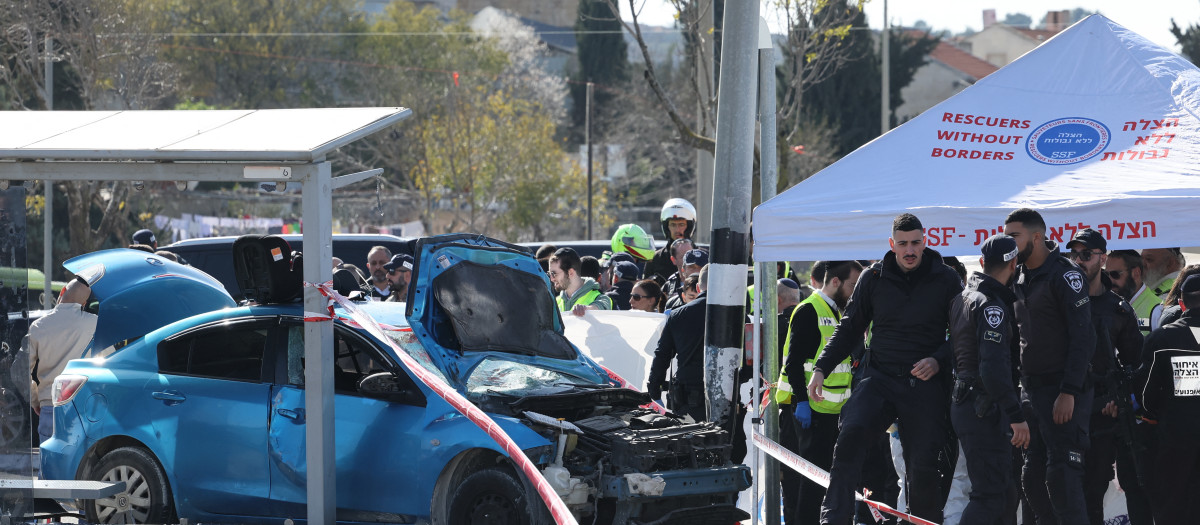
[(1014, 394)]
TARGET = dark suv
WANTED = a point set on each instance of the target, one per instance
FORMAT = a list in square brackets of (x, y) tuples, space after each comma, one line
[(214, 255)]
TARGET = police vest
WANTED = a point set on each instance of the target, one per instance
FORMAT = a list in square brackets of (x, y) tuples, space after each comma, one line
[(836, 388), (586, 299)]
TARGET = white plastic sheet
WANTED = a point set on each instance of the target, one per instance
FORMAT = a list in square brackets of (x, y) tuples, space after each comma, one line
[(622, 341)]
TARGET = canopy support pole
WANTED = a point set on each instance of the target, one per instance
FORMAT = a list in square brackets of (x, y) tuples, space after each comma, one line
[(352, 178), (318, 342)]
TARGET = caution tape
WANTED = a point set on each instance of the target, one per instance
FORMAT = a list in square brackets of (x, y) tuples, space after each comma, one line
[(325, 289), (819, 476), (558, 509)]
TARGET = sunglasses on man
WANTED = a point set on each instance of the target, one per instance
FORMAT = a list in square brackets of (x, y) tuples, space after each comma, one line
[(1084, 256)]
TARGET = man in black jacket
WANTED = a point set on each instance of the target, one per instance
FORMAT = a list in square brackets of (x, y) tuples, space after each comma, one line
[(1172, 395), (905, 300), (986, 411), (1118, 345), (682, 339), (1057, 342)]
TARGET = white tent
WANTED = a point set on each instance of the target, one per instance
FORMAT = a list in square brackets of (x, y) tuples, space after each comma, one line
[(1095, 128)]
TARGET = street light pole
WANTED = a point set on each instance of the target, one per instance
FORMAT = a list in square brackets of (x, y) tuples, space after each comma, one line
[(587, 133), (885, 120)]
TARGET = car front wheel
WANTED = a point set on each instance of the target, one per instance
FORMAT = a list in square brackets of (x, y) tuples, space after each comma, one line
[(489, 497), (147, 497)]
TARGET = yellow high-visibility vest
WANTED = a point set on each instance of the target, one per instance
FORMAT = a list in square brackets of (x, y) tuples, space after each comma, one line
[(836, 388)]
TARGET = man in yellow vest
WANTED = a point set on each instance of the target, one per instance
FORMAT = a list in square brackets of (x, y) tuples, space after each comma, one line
[(577, 294), (1161, 267), (807, 427)]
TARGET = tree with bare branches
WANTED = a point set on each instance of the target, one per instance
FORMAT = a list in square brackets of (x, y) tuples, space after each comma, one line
[(815, 30), (105, 59)]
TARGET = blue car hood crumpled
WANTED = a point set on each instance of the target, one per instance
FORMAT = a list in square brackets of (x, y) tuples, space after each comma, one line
[(475, 298), (140, 292)]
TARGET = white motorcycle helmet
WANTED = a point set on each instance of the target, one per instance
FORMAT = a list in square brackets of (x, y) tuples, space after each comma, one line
[(678, 208)]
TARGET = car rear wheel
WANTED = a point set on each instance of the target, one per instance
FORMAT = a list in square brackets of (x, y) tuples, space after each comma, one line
[(147, 497), (489, 497)]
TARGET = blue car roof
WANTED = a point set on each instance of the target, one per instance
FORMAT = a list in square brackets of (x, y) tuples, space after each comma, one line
[(140, 292)]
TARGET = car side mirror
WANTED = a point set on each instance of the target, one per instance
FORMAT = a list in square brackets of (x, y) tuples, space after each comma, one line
[(389, 387)]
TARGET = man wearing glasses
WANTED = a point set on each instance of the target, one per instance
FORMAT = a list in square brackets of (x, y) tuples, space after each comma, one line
[(1057, 342), (399, 271), (1117, 336), (1124, 269), (577, 294)]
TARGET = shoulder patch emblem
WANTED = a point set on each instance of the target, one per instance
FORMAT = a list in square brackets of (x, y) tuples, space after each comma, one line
[(994, 315), (1075, 279)]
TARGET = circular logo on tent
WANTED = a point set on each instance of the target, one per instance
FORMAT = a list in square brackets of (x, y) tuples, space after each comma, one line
[(1067, 141)]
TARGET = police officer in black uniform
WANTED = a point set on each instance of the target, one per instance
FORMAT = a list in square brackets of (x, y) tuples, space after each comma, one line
[(1057, 342), (1172, 396), (985, 409), (905, 299), (683, 340), (1118, 348)]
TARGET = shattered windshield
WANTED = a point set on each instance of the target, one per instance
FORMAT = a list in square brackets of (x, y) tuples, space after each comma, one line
[(408, 341), (499, 376)]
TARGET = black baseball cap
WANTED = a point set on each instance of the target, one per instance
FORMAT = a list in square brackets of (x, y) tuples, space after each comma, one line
[(999, 248), (626, 270), (144, 237), (400, 261), (695, 257), (1090, 239)]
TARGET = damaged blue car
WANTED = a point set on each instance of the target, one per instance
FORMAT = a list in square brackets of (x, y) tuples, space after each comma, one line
[(197, 403)]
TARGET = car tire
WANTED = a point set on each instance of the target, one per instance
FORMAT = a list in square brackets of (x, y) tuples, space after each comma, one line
[(489, 497), (147, 496)]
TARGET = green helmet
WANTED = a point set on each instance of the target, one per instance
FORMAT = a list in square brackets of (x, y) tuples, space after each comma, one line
[(632, 239)]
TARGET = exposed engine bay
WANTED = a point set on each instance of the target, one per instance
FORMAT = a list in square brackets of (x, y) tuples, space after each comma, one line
[(621, 463)]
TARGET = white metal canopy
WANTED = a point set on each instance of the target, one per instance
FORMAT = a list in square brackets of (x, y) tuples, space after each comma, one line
[(229, 146)]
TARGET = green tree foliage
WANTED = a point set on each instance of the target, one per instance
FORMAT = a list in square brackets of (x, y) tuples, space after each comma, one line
[(260, 53), (1189, 41), (602, 60), (492, 159), (1020, 20)]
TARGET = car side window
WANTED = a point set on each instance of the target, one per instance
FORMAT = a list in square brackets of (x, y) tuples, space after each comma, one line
[(229, 351), (354, 359)]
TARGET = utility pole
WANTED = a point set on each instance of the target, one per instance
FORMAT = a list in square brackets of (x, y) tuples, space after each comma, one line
[(587, 134), (732, 182), (766, 271), (704, 159), (48, 215), (885, 116)]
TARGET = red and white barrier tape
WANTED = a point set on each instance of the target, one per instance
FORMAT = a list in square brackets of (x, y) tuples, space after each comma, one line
[(558, 509), (820, 477)]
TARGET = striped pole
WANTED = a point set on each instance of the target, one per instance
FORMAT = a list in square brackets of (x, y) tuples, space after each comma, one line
[(733, 170)]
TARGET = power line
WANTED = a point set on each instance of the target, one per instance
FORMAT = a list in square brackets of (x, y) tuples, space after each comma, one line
[(369, 34)]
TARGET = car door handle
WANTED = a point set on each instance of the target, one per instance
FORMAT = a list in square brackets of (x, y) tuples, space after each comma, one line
[(296, 415), (169, 397)]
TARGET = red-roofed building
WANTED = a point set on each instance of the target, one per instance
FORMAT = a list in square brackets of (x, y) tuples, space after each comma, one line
[(1000, 44), (947, 71)]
